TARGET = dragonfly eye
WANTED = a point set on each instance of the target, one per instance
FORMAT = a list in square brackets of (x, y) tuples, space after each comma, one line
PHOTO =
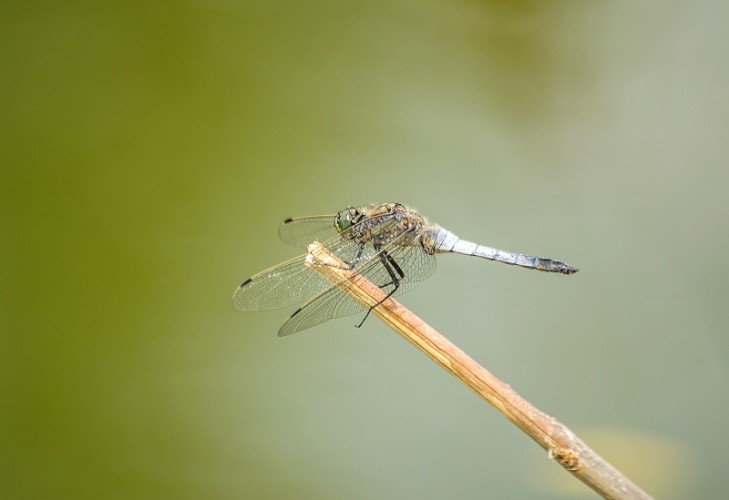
[(344, 219)]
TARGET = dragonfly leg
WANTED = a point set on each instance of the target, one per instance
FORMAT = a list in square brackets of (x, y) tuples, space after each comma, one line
[(349, 265), (357, 256), (396, 274), (397, 268)]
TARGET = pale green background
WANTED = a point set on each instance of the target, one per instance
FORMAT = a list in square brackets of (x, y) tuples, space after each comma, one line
[(148, 151)]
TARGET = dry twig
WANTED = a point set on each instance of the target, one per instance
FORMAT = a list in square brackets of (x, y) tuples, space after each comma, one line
[(561, 443)]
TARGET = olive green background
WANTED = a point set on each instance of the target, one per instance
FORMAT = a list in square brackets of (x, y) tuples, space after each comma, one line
[(148, 151)]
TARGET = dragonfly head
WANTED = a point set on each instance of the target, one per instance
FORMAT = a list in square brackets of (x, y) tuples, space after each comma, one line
[(345, 219)]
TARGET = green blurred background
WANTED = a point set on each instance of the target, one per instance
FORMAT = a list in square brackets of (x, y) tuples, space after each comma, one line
[(149, 150)]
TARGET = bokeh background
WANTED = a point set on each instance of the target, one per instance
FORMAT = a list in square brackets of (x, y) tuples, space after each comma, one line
[(150, 149)]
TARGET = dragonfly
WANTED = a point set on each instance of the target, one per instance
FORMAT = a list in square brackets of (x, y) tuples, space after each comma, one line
[(390, 244)]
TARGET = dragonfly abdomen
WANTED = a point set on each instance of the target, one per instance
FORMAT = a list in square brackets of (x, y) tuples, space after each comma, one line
[(443, 241)]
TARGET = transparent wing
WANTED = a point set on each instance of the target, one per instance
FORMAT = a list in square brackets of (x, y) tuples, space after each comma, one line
[(288, 283), (291, 282), (415, 264), (301, 231)]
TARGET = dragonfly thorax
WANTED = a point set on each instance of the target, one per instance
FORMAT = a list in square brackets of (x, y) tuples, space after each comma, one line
[(380, 224)]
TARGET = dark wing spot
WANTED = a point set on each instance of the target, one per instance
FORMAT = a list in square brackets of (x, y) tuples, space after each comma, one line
[(288, 220), (245, 282), (282, 331)]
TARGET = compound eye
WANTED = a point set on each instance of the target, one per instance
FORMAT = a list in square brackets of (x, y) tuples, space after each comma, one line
[(344, 220)]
